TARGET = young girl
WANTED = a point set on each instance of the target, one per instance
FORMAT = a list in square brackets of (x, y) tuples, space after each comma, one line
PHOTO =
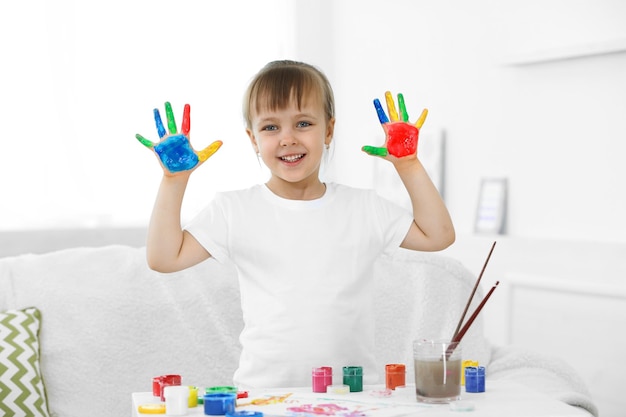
[(304, 250)]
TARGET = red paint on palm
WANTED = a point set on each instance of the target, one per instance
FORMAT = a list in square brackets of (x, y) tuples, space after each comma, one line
[(401, 139)]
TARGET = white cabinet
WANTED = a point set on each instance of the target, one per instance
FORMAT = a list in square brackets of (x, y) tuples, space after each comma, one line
[(583, 324), (564, 298)]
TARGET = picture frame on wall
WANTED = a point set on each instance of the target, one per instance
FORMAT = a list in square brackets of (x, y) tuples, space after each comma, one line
[(491, 212)]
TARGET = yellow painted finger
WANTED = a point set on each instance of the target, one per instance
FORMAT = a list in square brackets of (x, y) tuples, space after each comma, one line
[(391, 107), (421, 119), (206, 153)]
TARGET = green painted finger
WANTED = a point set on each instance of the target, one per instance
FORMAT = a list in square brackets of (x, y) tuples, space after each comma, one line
[(145, 142), (171, 123), (375, 150), (405, 115)]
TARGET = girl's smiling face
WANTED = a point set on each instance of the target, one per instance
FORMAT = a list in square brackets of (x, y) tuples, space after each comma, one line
[(291, 142)]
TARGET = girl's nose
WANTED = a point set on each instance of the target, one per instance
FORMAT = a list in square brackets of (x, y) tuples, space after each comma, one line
[(287, 138)]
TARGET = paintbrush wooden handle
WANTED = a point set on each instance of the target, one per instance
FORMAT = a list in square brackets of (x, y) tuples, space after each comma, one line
[(465, 328)]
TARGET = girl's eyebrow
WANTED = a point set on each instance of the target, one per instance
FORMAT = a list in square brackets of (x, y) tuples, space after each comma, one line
[(274, 118), (309, 115), (267, 119)]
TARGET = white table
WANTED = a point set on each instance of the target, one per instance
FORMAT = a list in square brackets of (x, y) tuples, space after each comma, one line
[(501, 398)]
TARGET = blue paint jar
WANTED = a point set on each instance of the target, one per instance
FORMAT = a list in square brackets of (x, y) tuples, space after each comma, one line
[(219, 403), (475, 379)]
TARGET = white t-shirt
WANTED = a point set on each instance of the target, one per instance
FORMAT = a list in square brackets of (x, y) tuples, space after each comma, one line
[(306, 280)]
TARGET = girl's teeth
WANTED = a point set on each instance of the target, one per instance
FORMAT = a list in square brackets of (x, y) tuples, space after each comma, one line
[(291, 158)]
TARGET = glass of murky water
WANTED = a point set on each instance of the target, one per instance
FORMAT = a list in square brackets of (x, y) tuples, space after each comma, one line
[(437, 365)]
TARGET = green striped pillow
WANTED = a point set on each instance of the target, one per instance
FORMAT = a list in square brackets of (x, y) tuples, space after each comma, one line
[(21, 385)]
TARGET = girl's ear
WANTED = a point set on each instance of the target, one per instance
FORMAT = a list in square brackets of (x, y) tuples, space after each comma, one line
[(255, 145), (330, 130)]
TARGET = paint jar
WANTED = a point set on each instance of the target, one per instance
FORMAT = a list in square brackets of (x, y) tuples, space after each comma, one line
[(160, 382), (176, 400), (193, 397), (395, 375), (353, 377), (221, 389), (156, 386), (475, 379), (219, 403), (321, 378), (464, 365)]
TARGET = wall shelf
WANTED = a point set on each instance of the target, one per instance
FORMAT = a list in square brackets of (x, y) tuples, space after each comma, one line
[(540, 56)]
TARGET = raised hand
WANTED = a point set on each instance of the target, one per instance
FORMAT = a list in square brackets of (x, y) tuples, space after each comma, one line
[(174, 150), (400, 136)]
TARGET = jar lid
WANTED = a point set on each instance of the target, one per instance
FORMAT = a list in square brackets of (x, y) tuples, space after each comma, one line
[(395, 367), (338, 389), (323, 370), (352, 370), (244, 413), (225, 388)]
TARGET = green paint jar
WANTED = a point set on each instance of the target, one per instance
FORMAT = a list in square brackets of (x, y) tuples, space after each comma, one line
[(353, 377)]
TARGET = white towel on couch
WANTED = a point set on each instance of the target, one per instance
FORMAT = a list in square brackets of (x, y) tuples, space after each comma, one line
[(109, 324)]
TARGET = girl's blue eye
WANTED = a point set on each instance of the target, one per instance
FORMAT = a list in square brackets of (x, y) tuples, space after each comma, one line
[(304, 124), (270, 127)]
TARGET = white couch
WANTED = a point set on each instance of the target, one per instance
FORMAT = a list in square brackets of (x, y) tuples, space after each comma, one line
[(109, 324)]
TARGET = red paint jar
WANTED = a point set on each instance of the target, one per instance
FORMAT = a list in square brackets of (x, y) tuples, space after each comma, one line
[(160, 382)]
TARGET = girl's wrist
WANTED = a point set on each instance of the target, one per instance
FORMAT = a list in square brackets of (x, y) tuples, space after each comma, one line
[(178, 176), (407, 165), (175, 180)]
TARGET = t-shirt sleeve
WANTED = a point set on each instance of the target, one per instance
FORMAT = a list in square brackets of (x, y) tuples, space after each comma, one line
[(394, 220), (210, 228)]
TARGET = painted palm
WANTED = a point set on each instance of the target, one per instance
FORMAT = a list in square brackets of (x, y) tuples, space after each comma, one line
[(174, 149), (400, 136)]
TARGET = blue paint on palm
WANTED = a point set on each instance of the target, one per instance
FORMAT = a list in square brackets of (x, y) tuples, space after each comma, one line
[(176, 153)]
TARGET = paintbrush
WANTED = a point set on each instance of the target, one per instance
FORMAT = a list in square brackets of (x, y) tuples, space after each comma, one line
[(469, 301)]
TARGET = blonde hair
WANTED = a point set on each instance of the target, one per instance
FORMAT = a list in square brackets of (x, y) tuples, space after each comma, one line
[(279, 82)]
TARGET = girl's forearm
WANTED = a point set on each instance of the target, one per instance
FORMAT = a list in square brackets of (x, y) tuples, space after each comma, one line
[(429, 211), (165, 235)]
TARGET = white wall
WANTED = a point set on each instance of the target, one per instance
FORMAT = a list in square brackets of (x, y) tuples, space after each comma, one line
[(554, 129), (78, 80)]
